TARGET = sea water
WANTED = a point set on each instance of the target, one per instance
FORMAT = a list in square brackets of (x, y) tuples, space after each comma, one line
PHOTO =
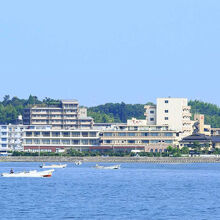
[(136, 191)]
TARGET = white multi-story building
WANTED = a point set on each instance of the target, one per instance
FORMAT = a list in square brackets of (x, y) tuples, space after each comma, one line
[(11, 137), (173, 112), (64, 114), (46, 139), (36, 138), (3, 137)]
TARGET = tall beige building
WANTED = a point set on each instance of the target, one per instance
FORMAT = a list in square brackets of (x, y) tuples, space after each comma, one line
[(173, 112), (66, 114)]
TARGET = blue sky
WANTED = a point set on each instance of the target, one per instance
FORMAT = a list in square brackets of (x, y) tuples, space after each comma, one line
[(110, 51)]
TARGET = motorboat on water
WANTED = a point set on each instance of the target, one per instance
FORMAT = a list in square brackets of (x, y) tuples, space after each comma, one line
[(53, 166), (31, 173), (78, 163), (114, 167)]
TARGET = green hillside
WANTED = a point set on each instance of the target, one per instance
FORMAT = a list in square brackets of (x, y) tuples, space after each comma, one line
[(211, 112)]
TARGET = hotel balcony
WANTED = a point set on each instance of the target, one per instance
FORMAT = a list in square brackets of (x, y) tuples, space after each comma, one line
[(187, 108), (186, 114)]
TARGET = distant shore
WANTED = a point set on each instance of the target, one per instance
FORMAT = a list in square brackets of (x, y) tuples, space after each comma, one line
[(99, 159)]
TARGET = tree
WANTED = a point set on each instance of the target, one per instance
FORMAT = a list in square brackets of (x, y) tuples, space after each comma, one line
[(169, 150), (206, 148), (31, 100), (185, 150), (6, 100), (197, 147)]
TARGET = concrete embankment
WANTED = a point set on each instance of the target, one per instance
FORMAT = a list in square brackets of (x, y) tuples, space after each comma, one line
[(114, 159)]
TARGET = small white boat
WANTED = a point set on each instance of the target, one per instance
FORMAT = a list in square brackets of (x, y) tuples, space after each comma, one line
[(114, 167), (78, 163), (53, 166), (32, 173)]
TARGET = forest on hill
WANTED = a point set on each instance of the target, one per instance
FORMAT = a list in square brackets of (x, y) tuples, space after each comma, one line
[(10, 108)]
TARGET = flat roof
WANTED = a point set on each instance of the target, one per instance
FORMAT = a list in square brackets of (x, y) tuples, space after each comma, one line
[(68, 100)]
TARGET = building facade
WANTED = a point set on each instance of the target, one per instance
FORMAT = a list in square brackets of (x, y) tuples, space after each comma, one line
[(11, 137), (4, 138), (215, 131), (137, 135), (203, 128), (171, 112), (54, 140), (151, 114), (66, 114)]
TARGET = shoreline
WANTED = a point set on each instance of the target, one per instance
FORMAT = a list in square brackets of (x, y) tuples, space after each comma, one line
[(112, 159)]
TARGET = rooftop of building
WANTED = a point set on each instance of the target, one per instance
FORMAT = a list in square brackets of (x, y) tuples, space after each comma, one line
[(169, 97), (196, 137), (54, 104), (216, 139), (69, 100)]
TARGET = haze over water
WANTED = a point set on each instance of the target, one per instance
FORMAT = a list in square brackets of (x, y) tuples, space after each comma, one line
[(136, 191)]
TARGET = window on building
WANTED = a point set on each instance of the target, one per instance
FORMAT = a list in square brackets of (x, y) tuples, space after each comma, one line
[(151, 112), (93, 142), (75, 134), (144, 134), (154, 141), (108, 141), (85, 142), (28, 141), (166, 118), (131, 141), (28, 133), (55, 134), (56, 141), (166, 101), (75, 142), (108, 134), (46, 134), (85, 134), (66, 142), (154, 134), (151, 119), (131, 134), (168, 134), (121, 134), (145, 141), (92, 134), (66, 134), (46, 141), (4, 145), (37, 141), (166, 111), (36, 133), (168, 141), (4, 139)]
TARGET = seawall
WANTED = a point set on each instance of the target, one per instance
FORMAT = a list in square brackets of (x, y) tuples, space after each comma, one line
[(114, 159)]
